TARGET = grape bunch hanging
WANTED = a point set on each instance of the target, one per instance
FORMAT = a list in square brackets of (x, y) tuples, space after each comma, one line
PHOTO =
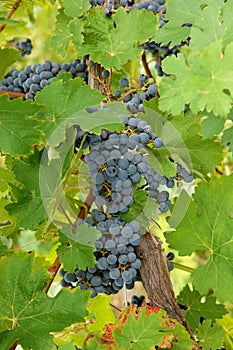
[(118, 165)]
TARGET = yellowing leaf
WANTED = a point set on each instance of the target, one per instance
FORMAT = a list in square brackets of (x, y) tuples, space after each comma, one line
[(95, 308)]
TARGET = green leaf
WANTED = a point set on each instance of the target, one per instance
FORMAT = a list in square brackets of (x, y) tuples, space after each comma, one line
[(214, 23), (76, 27), (29, 208), (212, 125), (100, 318), (7, 57), (227, 323), (210, 337), (208, 225), (196, 308), (113, 41), (178, 13), (63, 99), (68, 346), (62, 36), (143, 209), (204, 154), (27, 314), (75, 8), (202, 81), (29, 211), (18, 129), (79, 250)]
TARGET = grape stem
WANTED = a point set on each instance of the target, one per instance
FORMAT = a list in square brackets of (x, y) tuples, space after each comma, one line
[(10, 13), (110, 80), (66, 216), (126, 94), (145, 65), (182, 267)]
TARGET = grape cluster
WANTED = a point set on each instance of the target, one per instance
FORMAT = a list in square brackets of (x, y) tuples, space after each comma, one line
[(116, 163), (35, 77), (156, 6), (183, 174), (134, 100), (25, 47), (117, 263)]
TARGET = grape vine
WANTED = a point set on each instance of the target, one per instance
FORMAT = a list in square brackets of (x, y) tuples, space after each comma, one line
[(116, 166)]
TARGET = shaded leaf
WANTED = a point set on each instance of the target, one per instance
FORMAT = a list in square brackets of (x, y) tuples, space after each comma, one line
[(197, 309), (18, 129), (79, 250), (7, 57)]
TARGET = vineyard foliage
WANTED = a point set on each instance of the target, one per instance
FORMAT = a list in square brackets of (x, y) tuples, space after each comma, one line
[(186, 101)]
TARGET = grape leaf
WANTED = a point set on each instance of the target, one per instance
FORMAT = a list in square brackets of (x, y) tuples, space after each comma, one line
[(204, 154), (100, 318), (62, 35), (202, 82), (210, 337), (208, 225), (196, 309), (75, 8), (227, 323), (147, 331), (7, 57), (67, 346), (61, 100), (143, 209), (29, 207), (214, 23), (212, 125), (24, 306), (79, 250), (18, 130), (29, 211), (111, 42), (69, 25), (178, 13)]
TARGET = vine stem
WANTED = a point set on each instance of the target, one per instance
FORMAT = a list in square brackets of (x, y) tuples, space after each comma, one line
[(145, 65), (156, 279), (10, 13), (12, 93)]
